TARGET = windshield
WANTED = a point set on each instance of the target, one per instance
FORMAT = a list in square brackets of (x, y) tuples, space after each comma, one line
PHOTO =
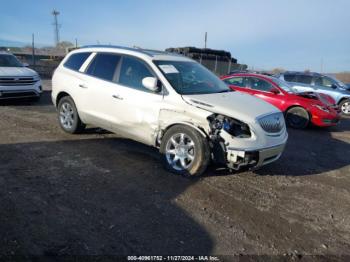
[(189, 78), (284, 85), (339, 83), (9, 61)]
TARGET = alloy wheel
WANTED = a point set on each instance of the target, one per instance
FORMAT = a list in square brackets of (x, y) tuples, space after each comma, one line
[(180, 151), (67, 115), (345, 108)]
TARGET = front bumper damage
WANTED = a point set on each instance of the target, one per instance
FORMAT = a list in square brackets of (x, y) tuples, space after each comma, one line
[(251, 147), (238, 159)]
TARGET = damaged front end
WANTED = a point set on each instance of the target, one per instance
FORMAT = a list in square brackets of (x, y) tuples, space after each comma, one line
[(222, 130)]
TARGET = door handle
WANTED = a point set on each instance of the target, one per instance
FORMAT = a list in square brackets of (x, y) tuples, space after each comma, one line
[(117, 97), (82, 86)]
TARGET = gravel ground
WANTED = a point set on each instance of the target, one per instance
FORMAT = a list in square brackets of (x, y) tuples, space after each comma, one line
[(95, 193)]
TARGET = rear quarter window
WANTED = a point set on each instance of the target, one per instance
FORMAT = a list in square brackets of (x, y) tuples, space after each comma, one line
[(75, 61)]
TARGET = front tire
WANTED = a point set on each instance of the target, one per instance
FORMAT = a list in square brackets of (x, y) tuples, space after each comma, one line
[(345, 107), (185, 151), (297, 117), (68, 116)]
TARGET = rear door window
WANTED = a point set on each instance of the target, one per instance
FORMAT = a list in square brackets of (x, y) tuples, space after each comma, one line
[(318, 81), (104, 66), (290, 78), (75, 61), (305, 79)]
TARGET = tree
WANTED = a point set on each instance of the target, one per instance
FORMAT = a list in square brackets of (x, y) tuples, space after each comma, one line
[(277, 70), (64, 45)]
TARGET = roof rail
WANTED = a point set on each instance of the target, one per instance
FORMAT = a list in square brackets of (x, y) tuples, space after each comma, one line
[(302, 73), (149, 52)]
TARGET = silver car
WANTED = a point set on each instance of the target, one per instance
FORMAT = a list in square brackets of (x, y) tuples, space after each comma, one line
[(17, 80), (314, 82)]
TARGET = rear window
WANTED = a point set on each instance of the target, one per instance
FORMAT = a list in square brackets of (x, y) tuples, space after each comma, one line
[(75, 61)]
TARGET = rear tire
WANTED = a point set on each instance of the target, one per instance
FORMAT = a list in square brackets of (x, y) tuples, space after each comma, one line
[(68, 116), (344, 106), (185, 151), (297, 117)]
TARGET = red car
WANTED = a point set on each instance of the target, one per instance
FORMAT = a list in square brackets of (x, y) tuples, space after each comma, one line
[(300, 108)]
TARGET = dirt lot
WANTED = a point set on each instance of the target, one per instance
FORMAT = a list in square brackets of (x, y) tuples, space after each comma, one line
[(96, 193)]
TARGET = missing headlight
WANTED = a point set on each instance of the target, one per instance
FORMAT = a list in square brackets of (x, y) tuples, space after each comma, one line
[(232, 126)]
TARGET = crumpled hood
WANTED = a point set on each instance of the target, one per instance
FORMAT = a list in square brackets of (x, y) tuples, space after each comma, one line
[(16, 71), (233, 104), (317, 98)]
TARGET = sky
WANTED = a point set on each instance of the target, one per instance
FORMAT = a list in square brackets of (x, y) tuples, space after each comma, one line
[(264, 34)]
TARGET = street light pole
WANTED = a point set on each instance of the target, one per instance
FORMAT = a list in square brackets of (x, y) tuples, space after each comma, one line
[(33, 51), (55, 13)]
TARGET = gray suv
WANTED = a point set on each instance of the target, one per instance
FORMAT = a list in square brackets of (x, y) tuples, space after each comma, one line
[(315, 82)]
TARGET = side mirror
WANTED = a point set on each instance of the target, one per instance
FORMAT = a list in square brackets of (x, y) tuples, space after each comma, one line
[(151, 83), (334, 86), (275, 91), (25, 64)]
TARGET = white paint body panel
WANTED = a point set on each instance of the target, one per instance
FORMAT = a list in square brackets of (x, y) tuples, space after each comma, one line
[(141, 115)]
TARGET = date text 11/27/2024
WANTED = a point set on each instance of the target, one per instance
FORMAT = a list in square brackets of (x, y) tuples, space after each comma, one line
[(173, 258)]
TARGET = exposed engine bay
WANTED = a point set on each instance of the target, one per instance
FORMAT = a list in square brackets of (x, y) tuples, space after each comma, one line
[(223, 128)]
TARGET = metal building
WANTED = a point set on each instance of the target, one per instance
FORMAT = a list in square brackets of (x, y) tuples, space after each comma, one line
[(218, 61)]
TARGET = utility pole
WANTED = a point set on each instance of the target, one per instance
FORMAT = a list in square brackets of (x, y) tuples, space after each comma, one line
[(76, 43), (33, 51), (205, 40), (55, 13), (321, 65)]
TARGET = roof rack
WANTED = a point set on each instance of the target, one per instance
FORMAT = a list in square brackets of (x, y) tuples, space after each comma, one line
[(302, 73), (149, 52)]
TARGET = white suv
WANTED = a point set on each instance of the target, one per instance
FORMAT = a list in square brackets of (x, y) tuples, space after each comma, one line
[(16, 80), (170, 102)]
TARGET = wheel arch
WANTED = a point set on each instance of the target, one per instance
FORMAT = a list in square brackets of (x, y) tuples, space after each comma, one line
[(163, 130), (293, 106), (343, 99), (60, 95)]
